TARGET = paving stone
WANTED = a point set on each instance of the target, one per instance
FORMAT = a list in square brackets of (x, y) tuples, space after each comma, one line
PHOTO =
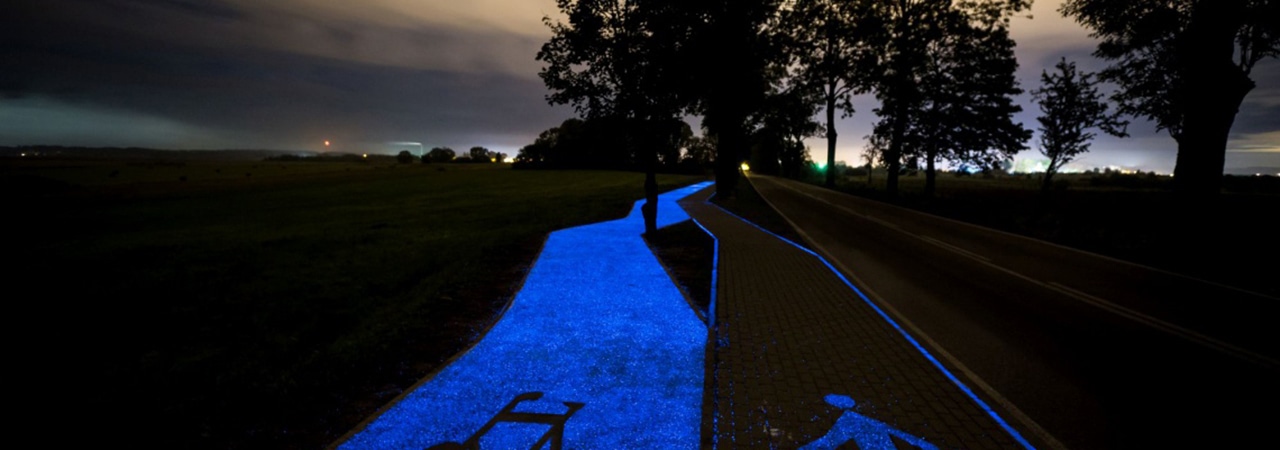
[(790, 332)]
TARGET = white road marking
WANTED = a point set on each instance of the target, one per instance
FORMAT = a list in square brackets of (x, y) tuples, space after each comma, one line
[(973, 377), (1105, 305), (953, 248)]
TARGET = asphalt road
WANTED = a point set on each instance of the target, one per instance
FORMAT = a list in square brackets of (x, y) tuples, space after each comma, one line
[(1092, 352)]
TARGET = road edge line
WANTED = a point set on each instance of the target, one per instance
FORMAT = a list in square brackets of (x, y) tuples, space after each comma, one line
[(1155, 323), (878, 301), (1064, 247)]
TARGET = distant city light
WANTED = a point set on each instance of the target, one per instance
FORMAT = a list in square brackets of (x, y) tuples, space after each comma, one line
[(366, 155)]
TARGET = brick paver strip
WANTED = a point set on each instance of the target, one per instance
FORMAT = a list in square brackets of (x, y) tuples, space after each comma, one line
[(790, 332)]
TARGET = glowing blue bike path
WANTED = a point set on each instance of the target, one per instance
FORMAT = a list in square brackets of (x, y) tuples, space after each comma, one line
[(599, 347)]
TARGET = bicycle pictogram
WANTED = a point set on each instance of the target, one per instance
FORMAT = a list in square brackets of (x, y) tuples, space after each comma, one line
[(508, 414)]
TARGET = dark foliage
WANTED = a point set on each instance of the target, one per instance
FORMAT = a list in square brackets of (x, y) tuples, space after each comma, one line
[(404, 157), (946, 83), (439, 155), (1072, 107), (602, 143), (1185, 65), (831, 47)]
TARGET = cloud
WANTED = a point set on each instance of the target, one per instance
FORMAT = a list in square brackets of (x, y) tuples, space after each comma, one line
[(474, 36), (288, 73), (38, 120), (1268, 142), (375, 34), (490, 16)]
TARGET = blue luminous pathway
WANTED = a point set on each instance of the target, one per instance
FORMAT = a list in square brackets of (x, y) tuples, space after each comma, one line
[(599, 344)]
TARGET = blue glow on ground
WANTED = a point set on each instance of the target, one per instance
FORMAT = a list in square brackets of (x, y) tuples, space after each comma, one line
[(867, 433), (715, 268), (990, 412), (711, 326), (598, 322)]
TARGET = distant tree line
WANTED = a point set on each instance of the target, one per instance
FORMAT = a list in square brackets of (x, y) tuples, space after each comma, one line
[(477, 155), (613, 143)]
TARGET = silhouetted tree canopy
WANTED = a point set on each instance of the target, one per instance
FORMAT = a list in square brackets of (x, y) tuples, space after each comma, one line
[(480, 155), (620, 61), (923, 37), (1184, 64), (699, 154), (733, 63), (785, 120), (831, 47), (404, 157), (1071, 107), (601, 143), (440, 154), (968, 101)]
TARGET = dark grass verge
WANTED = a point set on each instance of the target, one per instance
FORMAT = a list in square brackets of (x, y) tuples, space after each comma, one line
[(749, 205), (271, 311), (688, 254)]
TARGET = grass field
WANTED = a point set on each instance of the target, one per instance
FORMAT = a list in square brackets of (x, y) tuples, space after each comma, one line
[(263, 304)]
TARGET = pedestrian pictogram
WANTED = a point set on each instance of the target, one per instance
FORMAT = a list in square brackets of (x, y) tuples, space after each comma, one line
[(865, 432)]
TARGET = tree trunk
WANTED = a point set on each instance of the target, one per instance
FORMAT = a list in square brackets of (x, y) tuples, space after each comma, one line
[(1048, 179), (831, 137), (893, 154), (1047, 184), (930, 176), (1213, 88), (1202, 147), (900, 89), (650, 207), (727, 160)]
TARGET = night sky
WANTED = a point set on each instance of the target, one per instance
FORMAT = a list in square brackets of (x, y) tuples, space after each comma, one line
[(290, 74)]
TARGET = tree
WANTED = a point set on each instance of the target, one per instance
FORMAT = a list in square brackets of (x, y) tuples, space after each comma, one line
[(914, 29), (617, 59), (831, 44), (785, 120), (968, 100), (733, 65), (480, 155), (440, 154), (404, 157), (870, 156), (699, 152), (1184, 64), (581, 144), (1071, 107)]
